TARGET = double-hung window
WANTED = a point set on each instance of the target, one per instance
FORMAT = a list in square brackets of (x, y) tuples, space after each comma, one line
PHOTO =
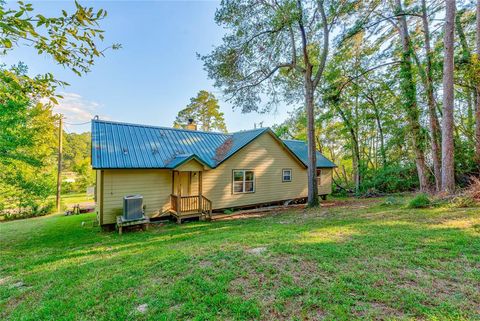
[(286, 175), (243, 181)]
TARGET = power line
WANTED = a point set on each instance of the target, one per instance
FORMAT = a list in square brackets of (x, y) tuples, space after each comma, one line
[(78, 124)]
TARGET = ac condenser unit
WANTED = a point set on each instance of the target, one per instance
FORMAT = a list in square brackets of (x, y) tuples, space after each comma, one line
[(132, 207)]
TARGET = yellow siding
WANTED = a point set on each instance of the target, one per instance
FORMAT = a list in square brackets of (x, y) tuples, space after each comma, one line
[(325, 186), (194, 183), (267, 158), (191, 165), (98, 194), (154, 185)]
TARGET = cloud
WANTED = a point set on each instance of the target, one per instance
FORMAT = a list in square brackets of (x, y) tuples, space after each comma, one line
[(77, 110)]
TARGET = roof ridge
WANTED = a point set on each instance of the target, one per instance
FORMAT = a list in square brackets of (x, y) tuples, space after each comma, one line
[(159, 127), (250, 130)]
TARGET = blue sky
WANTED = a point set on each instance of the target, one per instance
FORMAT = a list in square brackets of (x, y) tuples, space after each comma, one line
[(156, 72)]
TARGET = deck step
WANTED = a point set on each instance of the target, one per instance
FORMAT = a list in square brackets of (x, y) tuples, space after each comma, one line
[(182, 216)]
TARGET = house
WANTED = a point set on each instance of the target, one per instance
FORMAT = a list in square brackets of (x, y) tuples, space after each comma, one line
[(186, 173)]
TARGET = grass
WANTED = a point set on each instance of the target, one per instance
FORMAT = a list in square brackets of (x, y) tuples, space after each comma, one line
[(75, 198), (358, 261)]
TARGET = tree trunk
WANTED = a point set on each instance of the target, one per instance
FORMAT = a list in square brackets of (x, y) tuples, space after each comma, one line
[(409, 93), (477, 100), (355, 150), (380, 131), (448, 171), (356, 162), (312, 155), (432, 111)]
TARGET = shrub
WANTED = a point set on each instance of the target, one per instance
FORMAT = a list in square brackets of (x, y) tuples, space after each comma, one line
[(473, 189), (391, 179), (462, 201), (48, 207), (420, 201)]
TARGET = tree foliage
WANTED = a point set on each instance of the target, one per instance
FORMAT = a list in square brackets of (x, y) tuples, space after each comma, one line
[(276, 51), (365, 121), (205, 112), (27, 140), (76, 159), (28, 135)]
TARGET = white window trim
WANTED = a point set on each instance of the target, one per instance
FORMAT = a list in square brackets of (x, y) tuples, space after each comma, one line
[(244, 181), (283, 175)]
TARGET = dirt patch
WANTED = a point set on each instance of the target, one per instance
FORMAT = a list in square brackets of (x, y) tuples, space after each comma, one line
[(377, 311), (19, 284), (4, 280), (205, 264), (352, 203), (257, 250), (258, 212), (142, 308), (280, 284), (439, 288), (299, 208)]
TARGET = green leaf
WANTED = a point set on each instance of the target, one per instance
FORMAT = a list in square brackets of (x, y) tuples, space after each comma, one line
[(7, 43)]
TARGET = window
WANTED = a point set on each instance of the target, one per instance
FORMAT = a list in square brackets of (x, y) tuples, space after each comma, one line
[(286, 175), (243, 181)]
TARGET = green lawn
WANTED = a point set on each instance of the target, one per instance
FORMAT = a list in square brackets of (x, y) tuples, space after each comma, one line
[(75, 198), (362, 261)]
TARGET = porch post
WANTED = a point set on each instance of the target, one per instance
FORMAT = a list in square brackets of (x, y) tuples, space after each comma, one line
[(200, 209), (178, 200)]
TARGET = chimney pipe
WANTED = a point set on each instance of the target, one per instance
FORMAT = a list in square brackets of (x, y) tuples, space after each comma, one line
[(191, 124)]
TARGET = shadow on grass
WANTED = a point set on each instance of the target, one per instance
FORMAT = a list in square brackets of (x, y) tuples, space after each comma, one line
[(388, 263)]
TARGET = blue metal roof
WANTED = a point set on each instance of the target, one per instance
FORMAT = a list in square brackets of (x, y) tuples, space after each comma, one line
[(300, 149), (123, 145)]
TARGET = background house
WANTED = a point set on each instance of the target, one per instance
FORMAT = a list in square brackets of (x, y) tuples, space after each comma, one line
[(184, 172)]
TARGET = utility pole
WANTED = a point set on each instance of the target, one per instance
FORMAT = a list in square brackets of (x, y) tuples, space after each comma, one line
[(59, 170)]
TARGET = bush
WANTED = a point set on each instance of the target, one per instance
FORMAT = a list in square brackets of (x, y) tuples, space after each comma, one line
[(390, 180), (462, 201), (420, 201), (48, 207), (473, 189), (36, 208)]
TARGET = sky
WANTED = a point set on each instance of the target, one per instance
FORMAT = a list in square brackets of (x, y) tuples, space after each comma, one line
[(155, 73)]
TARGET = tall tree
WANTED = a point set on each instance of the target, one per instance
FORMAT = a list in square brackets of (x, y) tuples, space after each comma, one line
[(477, 107), (275, 50), (448, 171), (204, 110), (26, 120), (409, 93), (434, 124)]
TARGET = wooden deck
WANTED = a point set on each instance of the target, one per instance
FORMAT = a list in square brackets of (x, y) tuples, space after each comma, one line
[(192, 206)]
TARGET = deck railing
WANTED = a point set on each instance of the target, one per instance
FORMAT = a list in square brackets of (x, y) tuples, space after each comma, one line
[(190, 204)]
